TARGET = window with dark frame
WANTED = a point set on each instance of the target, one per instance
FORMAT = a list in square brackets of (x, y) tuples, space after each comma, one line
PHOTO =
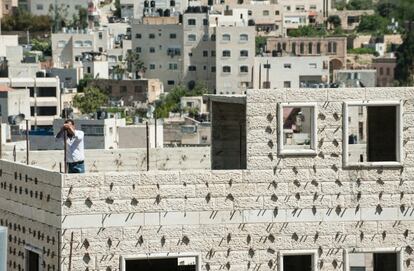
[(373, 133)]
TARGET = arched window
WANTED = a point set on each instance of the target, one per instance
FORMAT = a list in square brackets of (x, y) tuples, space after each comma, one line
[(78, 43), (244, 37), (244, 69), (294, 48), (61, 44), (244, 53), (87, 43), (279, 46), (191, 37), (310, 48), (226, 69), (226, 37), (226, 53)]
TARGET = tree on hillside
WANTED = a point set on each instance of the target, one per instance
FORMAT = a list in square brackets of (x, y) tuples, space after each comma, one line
[(44, 46), (134, 63), (22, 20), (171, 101), (118, 71), (359, 5), (79, 20), (405, 61), (91, 100), (117, 11), (334, 21), (405, 54), (373, 24), (307, 31), (386, 8), (260, 44)]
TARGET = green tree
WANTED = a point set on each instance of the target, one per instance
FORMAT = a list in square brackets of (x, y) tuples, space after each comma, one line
[(22, 20), (404, 72), (171, 101), (374, 24), (405, 53), (386, 8), (117, 11), (90, 100), (307, 31), (260, 44), (44, 46), (134, 63), (334, 20), (83, 83), (79, 20), (118, 71), (360, 5)]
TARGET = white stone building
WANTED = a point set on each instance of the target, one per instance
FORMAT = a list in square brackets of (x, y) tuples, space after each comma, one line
[(290, 71), (13, 102), (44, 97), (138, 9), (68, 46), (267, 201), (188, 52), (66, 9)]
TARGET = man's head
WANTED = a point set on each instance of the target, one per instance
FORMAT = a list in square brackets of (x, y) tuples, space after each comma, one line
[(70, 121), (69, 126)]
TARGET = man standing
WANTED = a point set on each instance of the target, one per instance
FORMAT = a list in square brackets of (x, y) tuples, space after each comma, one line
[(75, 154)]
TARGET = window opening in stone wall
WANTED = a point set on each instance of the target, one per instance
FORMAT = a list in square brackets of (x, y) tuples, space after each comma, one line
[(297, 129), (372, 133), (32, 260), (162, 264), (373, 261), (297, 263)]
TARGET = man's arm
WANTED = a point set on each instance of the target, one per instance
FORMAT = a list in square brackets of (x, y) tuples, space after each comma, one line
[(61, 133)]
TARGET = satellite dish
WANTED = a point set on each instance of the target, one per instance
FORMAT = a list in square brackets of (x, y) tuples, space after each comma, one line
[(15, 119)]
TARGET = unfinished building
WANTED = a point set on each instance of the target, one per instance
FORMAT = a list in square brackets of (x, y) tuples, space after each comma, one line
[(300, 180)]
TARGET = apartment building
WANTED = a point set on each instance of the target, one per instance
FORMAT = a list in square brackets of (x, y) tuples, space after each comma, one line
[(68, 46), (235, 47), (385, 67), (66, 9), (6, 7), (44, 98), (333, 47), (301, 13), (131, 91), (199, 48), (266, 17), (188, 52), (290, 72), (278, 190), (139, 9), (160, 47)]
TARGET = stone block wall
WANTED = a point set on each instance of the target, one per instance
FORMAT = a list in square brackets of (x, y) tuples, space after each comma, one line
[(123, 159), (30, 206), (246, 219)]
